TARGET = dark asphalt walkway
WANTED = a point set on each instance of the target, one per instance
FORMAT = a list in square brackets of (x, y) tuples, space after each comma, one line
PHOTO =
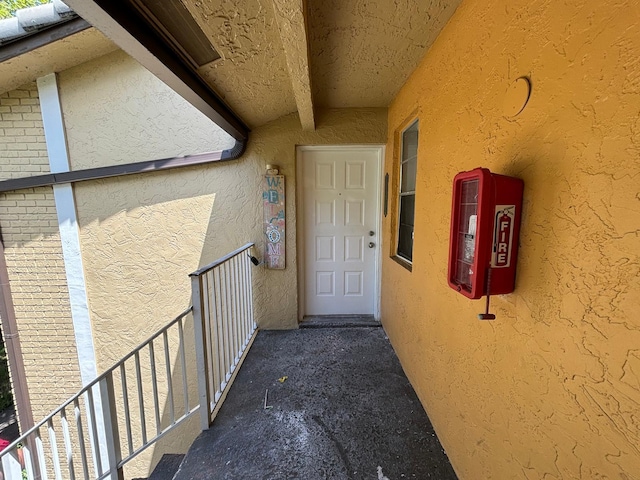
[(345, 411)]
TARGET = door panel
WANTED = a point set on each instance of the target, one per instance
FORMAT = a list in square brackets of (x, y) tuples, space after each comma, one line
[(340, 208)]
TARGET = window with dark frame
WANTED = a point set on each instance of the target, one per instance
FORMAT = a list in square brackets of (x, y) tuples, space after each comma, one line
[(407, 201)]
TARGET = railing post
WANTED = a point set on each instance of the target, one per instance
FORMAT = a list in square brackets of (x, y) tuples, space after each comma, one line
[(110, 416), (201, 350), (11, 467)]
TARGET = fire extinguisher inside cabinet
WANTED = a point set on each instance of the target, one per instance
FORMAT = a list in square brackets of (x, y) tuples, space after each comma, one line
[(485, 225)]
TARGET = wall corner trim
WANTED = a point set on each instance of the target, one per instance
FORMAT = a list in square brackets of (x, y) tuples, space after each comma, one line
[(54, 133), (67, 223)]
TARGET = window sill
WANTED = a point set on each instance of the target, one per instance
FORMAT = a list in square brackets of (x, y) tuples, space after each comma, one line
[(401, 261)]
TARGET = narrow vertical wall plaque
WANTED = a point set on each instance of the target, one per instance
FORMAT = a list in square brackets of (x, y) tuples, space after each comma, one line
[(274, 221)]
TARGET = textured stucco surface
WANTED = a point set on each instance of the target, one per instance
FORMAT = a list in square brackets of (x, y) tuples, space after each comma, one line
[(362, 52), (34, 256), (252, 76), (110, 121), (551, 388), (291, 17), (55, 57), (142, 235)]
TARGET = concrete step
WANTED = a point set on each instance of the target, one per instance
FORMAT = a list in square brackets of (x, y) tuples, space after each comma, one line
[(166, 467), (338, 321)]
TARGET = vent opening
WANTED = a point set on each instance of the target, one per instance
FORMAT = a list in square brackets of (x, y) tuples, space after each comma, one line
[(174, 22)]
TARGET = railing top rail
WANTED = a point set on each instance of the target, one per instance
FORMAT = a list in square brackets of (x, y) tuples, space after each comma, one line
[(221, 260), (96, 380)]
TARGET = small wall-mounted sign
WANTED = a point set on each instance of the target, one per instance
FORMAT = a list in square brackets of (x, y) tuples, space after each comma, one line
[(274, 221)]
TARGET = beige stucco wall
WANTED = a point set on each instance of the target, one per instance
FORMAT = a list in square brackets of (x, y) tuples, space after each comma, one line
[(116, 112), (142, 235), (34, 256), (54, 57), (551, 388)]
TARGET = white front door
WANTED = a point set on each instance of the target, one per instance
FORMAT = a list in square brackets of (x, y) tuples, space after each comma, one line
[(339, 225)]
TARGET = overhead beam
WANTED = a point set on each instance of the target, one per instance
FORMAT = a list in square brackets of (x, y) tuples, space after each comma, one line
[(291, 16), (122, 24)]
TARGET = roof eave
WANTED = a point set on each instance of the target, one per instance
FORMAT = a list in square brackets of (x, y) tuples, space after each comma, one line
[(56, 32)]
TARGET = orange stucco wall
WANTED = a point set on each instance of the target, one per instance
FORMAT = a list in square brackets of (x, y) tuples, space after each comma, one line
[(551, 388)]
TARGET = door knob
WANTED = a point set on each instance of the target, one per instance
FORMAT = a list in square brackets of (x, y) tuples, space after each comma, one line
[(371, 244)]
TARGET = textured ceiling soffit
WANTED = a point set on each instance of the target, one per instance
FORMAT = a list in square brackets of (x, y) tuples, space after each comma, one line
[(54, 57), (252, 75), (363, 52)]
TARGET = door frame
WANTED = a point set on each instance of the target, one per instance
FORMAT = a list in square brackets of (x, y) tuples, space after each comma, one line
[(300, 233)]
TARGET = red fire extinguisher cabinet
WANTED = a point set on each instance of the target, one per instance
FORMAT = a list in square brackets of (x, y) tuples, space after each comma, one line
[(485, 228)]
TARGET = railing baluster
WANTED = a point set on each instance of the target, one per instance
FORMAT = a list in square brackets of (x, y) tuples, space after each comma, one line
[(240, 271), (227, 340), (110, 417), (183, 366), (28, 461), (67, 443), (97, 453), (232, 353), (83, 450), (223, 328), (219, 351), (249, 301), (55, 457), (143, 423), (206, 332), (243, 281), (42, 462), (236, 317), (125, 403), (11, 467), (245, 316), (252, 323), (167, 366), (154, 384), (200, 345)]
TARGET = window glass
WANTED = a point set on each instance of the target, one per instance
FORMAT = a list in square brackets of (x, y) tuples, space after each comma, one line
[(408, 176), (406, 202)]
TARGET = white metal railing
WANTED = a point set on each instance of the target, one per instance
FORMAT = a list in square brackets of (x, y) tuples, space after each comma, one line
[(114, 418), (223, 318), (81, 438)]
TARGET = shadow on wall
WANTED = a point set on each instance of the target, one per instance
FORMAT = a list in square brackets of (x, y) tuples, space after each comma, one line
[(142, 235), (539, 175), (160, 228)]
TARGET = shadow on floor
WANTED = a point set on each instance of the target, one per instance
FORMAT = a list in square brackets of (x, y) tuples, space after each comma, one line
[(338, 406)]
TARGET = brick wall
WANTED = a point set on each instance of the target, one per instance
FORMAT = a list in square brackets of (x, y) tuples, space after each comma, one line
[(34, 256)]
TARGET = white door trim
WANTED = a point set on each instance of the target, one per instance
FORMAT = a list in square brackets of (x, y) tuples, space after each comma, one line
[(300, 233)]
